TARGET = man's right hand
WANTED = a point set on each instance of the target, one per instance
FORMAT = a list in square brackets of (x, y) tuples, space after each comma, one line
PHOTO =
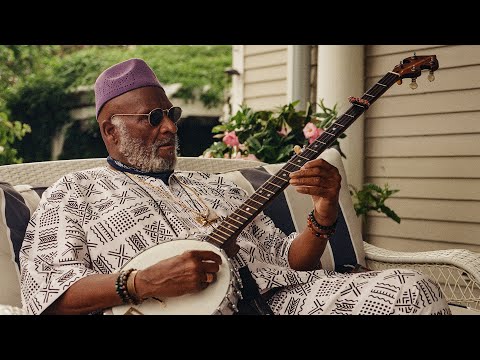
[(178, 275)]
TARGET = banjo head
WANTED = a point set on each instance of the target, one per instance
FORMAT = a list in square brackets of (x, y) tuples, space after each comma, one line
[(220, 297)]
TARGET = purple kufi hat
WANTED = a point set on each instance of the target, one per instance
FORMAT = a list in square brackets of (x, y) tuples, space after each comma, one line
[(121, 78)]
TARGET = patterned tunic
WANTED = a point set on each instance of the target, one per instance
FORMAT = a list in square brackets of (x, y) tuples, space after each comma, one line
[(94, 221)]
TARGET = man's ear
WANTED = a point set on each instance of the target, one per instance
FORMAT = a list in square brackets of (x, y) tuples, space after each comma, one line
[(110, 132)]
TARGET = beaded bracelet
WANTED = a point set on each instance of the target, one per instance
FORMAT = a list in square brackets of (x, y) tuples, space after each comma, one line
[(132, 291), (121, 286), (326, 229), (315, 232)]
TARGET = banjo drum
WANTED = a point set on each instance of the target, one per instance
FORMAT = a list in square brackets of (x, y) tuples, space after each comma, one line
[(219, 298)]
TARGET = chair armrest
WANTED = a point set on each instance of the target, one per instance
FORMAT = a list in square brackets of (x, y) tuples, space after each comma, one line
[(11, 310), (456, 270)]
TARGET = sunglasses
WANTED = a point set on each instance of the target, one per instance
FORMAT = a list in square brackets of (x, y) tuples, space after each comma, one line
[(156, 115)]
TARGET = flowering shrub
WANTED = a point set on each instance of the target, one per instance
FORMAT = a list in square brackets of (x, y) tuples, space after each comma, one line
[(270, 136)]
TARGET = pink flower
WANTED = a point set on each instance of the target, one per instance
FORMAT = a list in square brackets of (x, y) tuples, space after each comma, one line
[(231, 139), (312, 132)]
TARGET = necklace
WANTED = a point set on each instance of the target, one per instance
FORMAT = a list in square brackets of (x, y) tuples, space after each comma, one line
[(203, 217), (118, 165)]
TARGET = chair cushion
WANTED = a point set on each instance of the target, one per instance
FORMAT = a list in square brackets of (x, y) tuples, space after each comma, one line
[(290, 209), (14, 217)]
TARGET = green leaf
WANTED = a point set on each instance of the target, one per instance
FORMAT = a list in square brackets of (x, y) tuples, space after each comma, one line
[(372, 197), (372, 187), (219, 129), (390, 213), (254, 143)]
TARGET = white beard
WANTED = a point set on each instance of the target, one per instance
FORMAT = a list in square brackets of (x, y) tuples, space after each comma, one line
[(143, 157)]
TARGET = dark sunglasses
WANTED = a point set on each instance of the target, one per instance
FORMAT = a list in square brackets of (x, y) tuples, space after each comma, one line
[(156, 115)]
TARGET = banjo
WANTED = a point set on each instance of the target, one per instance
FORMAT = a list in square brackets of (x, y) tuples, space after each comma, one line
[(222, 296)]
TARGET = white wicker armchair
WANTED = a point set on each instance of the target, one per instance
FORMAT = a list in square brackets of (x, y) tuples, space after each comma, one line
[(456, 270)]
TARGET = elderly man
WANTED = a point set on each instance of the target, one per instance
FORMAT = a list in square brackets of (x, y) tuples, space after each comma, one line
[(90, 223)]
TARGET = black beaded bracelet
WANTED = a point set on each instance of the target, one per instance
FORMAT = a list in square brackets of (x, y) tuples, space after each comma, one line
[(327, 229), (323, 235), (121, 286)]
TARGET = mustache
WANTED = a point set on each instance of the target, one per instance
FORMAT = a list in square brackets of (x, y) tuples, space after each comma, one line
[(167, 141)]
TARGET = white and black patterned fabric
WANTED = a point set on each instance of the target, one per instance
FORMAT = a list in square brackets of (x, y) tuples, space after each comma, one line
[(94, 221), (387, 292)]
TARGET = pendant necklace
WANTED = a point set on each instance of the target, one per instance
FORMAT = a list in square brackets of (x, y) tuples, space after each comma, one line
[(203, 217)]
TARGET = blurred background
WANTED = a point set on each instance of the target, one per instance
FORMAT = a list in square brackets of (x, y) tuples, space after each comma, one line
[(47, 107)]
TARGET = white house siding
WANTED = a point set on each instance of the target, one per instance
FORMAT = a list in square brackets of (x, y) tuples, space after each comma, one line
[(265, 76), (426, 143)]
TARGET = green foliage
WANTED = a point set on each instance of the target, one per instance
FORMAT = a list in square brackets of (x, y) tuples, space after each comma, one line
[(19, 61), (269, 135), (16, 63), (199, 68), (39, 82), (372, 198), (43, 104), (9, 132)]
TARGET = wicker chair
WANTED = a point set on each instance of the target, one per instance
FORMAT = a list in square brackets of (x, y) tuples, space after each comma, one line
[(456, 270)]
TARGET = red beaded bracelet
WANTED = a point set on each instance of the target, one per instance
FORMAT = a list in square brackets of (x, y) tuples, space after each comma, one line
[(315, 232)]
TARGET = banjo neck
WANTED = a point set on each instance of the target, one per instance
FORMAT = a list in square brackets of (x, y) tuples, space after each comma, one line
[(226, 233)]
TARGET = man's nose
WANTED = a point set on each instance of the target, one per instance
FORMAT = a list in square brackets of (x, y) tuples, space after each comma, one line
[(167, 125)]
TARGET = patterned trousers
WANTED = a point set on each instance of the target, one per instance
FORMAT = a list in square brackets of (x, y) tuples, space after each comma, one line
[(393, 291)]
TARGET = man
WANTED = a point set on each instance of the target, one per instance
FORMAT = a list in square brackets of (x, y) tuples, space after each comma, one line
[(90, 223)]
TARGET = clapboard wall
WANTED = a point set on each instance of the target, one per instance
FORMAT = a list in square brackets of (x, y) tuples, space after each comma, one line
[(426, 143), (265, 76)]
